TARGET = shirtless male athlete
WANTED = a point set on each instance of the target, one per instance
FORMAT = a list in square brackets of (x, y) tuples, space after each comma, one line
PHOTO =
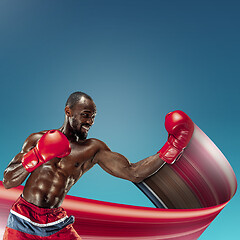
[(54, 161)]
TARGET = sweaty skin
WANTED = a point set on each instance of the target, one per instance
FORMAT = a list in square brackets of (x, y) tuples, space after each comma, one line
[(47, 185)]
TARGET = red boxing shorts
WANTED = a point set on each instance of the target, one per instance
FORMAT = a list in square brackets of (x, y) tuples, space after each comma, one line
[(27, 221)]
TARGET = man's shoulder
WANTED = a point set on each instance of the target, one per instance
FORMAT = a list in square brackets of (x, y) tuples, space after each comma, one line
[(32, 140), (36, 135), (96, 142)]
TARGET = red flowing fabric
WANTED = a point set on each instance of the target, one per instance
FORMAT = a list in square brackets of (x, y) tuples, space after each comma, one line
[(202, 168)]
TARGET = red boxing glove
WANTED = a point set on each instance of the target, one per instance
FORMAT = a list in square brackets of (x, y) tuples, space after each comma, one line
[(180, 129), (52, 144)]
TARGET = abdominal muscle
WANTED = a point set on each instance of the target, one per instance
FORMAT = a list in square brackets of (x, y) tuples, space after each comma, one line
[(47, 186)]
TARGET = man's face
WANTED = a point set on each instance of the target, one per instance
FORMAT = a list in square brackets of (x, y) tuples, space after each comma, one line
[(82, 117)]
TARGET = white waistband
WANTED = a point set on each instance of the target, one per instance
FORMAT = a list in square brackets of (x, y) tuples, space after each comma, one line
[(38, 224)]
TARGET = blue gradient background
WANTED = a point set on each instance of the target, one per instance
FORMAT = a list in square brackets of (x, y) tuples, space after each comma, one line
[(138, 60)]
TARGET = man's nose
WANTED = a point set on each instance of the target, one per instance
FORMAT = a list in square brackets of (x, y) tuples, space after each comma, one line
[(90, 121)]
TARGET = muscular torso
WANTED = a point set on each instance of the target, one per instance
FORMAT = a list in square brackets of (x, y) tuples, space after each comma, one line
[(48, 185)]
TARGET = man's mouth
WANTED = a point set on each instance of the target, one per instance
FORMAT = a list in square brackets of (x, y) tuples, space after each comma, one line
[(85, 128)]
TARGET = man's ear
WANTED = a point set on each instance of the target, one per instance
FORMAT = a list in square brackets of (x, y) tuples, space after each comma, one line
[(68, 111)]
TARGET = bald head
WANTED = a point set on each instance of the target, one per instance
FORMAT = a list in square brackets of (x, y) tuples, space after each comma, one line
[(75, 98)]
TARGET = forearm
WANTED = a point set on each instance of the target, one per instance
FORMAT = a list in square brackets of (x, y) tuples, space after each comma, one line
[(119, 166), (146, 167), (15, 173)]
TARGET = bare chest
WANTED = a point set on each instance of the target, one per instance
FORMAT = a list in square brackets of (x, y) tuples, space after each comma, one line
[(76, 163)]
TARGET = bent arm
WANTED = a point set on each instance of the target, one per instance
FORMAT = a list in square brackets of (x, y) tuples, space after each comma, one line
[(15, 173), (119, 166)]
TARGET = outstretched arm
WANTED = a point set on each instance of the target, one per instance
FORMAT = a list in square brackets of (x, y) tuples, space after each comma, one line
[(118, 166), (15, 173), (180, 129)]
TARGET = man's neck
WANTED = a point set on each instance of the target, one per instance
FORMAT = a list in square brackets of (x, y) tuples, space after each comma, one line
[(66, 130)]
